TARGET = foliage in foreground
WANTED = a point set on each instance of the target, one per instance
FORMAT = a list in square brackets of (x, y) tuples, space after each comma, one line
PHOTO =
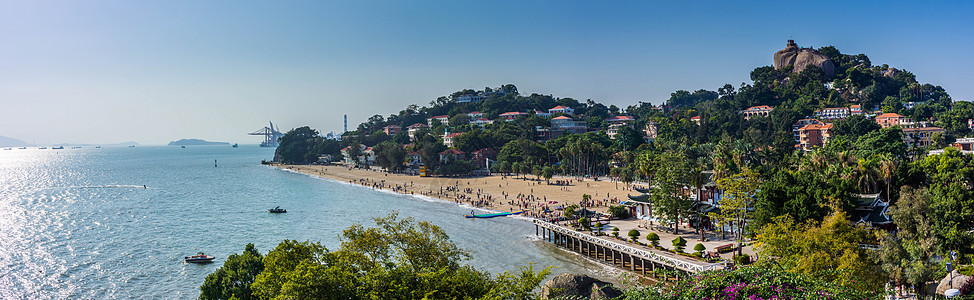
[(397, 259), (763, 281)]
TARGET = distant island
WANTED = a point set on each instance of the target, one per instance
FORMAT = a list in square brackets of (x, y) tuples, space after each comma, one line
[(195, 142)]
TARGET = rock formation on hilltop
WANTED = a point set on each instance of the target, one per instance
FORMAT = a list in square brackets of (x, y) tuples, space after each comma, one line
[(800, 58)]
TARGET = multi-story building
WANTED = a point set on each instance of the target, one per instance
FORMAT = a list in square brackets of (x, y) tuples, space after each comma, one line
[(475, 115), (802, 123), (483, 155), (470, 98), (512, 115), (613, 129), (481, 122), (650, 131), (392, 129), (695, 120), (443, 120), (890, 119), (412, 129), (449, 139), (569, 125), (814, 135), (920, 136), (760, 110), (561, 109), (832, 113), (855, 109), (964, 144), (623, 120), (451, 155), (542, 114)]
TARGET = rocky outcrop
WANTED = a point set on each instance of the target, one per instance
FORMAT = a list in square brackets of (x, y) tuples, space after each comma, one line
[(953, 280), (801, 58), (578, 285)]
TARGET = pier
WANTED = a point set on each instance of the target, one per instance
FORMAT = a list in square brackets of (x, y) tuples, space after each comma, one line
[(640, 261)]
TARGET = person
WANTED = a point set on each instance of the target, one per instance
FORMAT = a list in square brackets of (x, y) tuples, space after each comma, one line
[(471, 212)]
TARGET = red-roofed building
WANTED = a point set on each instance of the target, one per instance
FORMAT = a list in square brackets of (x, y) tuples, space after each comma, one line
[(620, 120), (412, 129), (475, 115), (814, 135), (890, 119), (568, 124), (512, 115), (802, 123), (855, 109), (832, 113), (561, 109), (448, 139), (481, 156), (443, 119), (413, 159), (481, 122), (760, 110), (451, 155), (392, 129), (695, 120), (542, 114)]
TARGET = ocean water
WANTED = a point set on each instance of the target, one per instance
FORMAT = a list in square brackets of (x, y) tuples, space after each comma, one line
[(78, 224)]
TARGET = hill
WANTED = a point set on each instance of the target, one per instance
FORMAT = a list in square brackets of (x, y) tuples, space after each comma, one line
[(12, 142), (195, 142)]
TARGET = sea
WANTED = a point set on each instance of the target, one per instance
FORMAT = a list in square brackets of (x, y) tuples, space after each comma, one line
[(116, 222)]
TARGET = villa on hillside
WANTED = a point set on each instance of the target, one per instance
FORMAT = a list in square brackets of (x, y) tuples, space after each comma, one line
[(832, 113), (855, 110), (483, 155), (802, 123), (449, 139), (413, 159), (470, 98), (814, 135), (452, 154), (695, 120), (561, 109), (542, 114), (623, 120), (569, 125), (760, 110), (412, 129), (920, 136), (613, 130), (650, 131), (443, 120), (512, 115), (964, 145), (366, 157), (481, 122), (475, 115), (890, 119)]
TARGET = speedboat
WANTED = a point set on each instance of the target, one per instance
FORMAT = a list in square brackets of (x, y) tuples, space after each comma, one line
[(182, 146), (277, 210), (235, 145), (199, 258)]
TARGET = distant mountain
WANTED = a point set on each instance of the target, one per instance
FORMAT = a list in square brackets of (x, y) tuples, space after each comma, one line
[(195, 142), (12, 142)]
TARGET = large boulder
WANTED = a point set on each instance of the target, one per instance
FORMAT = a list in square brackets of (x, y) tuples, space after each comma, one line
[(954, 277), (801, 58), (578, 285)]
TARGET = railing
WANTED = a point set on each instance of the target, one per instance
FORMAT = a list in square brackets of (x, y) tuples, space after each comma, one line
[(646, 254)]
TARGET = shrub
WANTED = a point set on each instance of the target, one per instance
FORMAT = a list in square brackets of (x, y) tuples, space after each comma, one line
[(679, 243), (633, 234), (653, 238), (584, 223), (619, 212), (699, 248), (615, 232), (742, 259)]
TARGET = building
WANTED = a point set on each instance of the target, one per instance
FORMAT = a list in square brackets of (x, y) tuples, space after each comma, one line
[(814, 135), (470, 98), (475, 115), (392, 129), (613, 130), (911, 104), (512, 115), (970, 124), (451, 155), (482, 156), (481, 122), (890, 119), (444, 119), (855, 110), (964, 144), (695, 120), (650, 131), (542, 114), (448, 139), (569, 125), (413, 159), (760, 110), (802, 123), (920, 136), (870, 209), (622, 120), (832, 113), (365, 157), (561, 109), (412, 129)]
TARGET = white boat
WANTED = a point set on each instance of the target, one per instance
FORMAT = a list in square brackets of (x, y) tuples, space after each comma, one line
[(199, 258)]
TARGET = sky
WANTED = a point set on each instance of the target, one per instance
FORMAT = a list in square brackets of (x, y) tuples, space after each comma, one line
[(158, 71)]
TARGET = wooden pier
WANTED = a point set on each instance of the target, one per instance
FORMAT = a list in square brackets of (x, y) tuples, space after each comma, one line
[(640, 261)]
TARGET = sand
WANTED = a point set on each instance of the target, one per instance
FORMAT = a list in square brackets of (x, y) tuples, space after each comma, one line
[(533, 195)]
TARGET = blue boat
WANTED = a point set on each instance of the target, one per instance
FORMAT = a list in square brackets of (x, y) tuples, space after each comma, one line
[(485, 216)]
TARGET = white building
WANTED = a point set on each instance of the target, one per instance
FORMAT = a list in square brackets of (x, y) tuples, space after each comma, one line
[(561, 109)]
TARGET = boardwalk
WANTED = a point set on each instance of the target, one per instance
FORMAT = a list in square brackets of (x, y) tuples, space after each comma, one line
[(626, 256)]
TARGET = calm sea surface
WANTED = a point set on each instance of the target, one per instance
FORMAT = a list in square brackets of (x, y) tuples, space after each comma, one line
[(78, 224)]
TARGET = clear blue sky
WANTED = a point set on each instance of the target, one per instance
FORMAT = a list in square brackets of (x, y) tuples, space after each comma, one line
[(156, 71)]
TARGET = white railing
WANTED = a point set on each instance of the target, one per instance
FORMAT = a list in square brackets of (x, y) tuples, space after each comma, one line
[(646, 254)]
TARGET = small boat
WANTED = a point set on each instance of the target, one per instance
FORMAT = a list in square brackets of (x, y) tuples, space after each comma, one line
[(199, 258), (485, 216), (42, 148), (182, 146), (97, 147), (57, 148), (8, 148), (131, 146), (235, 145), (277, 210), (22, 148), (76, 147)]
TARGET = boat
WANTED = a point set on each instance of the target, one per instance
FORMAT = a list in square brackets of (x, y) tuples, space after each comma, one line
[(97, 147), (57, 148), (182, 146), (235, 145), (277, 210), (22, 148), (644, 190), (41, 147), (76, 147), (8, 148), (131, 146), (501, 214), (199, 258)]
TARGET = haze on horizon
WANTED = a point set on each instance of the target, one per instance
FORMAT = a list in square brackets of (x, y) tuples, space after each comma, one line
[(158, 71)]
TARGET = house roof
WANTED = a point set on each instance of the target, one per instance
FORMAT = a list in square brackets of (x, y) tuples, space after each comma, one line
[(814, 126), (475, 113), (452, 151), (392, 126), (560, 107), (453, 134), (620, 118), (695, 118), (889, 115), (484, 150), (759, 107), (441, 117), (562, 118), (855, 106), (513, 113), (482, 120), (922, 129), (417, 125)]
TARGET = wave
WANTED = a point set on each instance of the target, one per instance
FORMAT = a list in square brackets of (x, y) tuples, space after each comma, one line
[(105, 186)]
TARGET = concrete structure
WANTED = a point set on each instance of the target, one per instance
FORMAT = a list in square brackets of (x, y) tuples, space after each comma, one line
[(623, 120), (650, 131), (964, 144), (832, 113), (481, 156), (760, 110), (613, 130), (392, 129), (470, 98), (890, 119), (475, 115), (542, 114), (444, 119), (814, 135), (481, 122), (921, 136), (561, 109), (855, 109)]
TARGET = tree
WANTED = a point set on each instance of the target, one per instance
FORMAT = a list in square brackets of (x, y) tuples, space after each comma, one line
[(907, 255), (233, 279), (296, 146), (653, 238), (668, 197), (739, 190), (633, 235), (699, 248), (547, 173), (679, 243), (615, 232), (389, 155), (619, 212)]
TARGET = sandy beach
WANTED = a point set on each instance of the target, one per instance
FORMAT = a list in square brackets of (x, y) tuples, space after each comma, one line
[(496, 193)]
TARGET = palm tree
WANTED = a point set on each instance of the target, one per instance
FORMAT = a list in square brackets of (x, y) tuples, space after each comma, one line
[(887, 167)]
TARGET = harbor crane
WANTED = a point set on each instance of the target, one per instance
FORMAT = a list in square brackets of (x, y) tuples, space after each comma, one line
[(271, 135)]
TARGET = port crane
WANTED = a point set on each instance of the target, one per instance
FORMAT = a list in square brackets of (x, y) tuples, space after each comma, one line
[(271, 135)]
